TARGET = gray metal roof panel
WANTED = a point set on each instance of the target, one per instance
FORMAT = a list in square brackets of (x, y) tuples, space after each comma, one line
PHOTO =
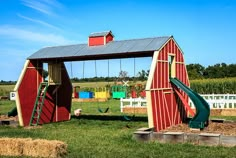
[(114, 47), (156, 43)]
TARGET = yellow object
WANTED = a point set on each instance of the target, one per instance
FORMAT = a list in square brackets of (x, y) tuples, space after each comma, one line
[(101, 93)]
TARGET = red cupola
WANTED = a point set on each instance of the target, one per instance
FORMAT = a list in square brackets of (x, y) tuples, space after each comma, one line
[(100, 38)]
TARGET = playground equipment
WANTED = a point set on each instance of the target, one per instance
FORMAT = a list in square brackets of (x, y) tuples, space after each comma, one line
[(203, 110), (138, 90), (38, 105), (101, 93), (165, 107), (13, 112), (119, 91), (76, 91), (133, 105)]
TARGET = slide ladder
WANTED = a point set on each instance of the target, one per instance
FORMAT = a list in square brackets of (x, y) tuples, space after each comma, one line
[(38, 105), (202, 107)]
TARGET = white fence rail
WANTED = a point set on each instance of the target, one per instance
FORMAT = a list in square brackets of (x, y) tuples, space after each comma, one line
[(132, 102), (216, 101), (219, 101)]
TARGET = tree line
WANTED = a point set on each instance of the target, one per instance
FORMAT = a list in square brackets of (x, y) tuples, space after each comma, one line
[(220, 70), (195, 71)]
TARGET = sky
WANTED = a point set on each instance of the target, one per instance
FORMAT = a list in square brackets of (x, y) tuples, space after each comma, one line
[(204, 29)]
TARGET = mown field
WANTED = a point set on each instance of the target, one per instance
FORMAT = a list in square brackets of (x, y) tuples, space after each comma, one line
[(107, 135), (95, 134)]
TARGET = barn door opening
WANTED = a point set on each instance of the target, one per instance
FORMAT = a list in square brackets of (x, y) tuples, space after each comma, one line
[(45, 72), (171, 66), (54, 73)]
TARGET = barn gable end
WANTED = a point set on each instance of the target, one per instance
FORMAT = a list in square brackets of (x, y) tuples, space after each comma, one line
[(164, 107)]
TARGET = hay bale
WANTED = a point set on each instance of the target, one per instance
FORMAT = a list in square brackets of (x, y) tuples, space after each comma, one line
[(12, 146), (32, 148), (228, 112), (45, 148)]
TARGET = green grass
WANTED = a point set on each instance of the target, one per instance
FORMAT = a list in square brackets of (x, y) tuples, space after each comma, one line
[(107, 135), (6, 106)]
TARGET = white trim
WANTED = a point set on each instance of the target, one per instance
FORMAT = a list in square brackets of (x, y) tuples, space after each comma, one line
[(149, 109), (158, 89), (21, 75), (164, 61), (152, 70), (148, 87), (18, 105), (179, 62)]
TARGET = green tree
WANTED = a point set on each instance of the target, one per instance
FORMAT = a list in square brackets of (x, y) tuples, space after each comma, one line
[(45, 74), (195, 71), (142, 75)]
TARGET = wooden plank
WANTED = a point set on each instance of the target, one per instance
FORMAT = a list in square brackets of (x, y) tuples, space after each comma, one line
[(159, 136), (174, 137), (209, 139), (143, 136), (228, 140), (191, 138), (145, 129)]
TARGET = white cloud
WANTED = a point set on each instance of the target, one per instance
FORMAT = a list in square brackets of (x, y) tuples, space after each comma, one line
[(54, 3), (37, 5), (22, 34), (43, 6), (38, 21)]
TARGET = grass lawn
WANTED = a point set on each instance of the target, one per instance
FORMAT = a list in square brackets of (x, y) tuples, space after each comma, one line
[(96, 134)]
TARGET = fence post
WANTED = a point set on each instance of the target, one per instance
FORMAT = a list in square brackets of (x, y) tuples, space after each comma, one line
[(121, 105)]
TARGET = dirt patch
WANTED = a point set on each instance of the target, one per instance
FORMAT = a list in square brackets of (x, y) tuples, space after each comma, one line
[(221, 128)]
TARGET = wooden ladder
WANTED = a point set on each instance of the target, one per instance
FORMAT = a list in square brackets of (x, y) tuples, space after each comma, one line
[(38, 105)]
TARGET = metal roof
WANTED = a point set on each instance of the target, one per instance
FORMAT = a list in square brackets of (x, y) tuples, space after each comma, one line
[(112, 50), (97, 34)]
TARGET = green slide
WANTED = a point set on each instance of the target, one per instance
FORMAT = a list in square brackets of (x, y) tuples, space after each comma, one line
[(202, 107)]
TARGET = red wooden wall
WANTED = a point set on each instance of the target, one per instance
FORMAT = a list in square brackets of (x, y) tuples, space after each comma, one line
[(167, 109), (57, 103), (95, 41), (100, 40), (109, 38)]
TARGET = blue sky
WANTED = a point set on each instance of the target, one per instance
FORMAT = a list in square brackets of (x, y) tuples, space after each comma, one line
[(204, 29)]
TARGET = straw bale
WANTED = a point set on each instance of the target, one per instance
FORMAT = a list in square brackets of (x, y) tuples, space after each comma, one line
[(45, 148), (32, 148), (228, 112), (12, 146), (215, 112)]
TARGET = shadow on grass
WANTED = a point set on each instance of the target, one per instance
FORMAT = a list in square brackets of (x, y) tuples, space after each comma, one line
[(112, 117)]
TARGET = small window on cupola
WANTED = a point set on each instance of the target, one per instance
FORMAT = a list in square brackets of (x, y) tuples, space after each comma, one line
[(100, 38)]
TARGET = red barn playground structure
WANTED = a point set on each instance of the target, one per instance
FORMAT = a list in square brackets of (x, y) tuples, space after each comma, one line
[(167, 88)]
